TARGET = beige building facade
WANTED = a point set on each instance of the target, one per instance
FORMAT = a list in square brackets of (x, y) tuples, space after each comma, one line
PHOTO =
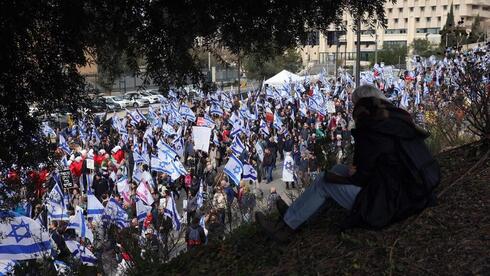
[(406, 20)]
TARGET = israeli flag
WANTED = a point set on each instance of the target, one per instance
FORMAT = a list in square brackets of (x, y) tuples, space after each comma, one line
[(187, 113), (179, 146), (7, 267), (47, 130), (208, 121), (79, 224), (165, 151), (140, 156), (264, 129), (216, 110), (277, 122), (237, 128), (215, 139), (234, 169), (168, 130), (136, 116), (22, 238), (56, 205), (288, 169), (171, 212), (237, 146), (199, 195), (137, 173), (115, 214), (249, 173), (63, 145), (141, 210), (417, 97), (158, 165), (148, 136), (79, 251), (95, 209)]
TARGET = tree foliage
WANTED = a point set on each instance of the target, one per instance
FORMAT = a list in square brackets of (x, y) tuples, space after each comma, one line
[(477, 33), (258, 68), (424, 48), (44, 42), (391, 54)]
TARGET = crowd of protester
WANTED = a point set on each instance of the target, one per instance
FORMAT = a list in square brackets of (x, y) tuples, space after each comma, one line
[(113, 159)]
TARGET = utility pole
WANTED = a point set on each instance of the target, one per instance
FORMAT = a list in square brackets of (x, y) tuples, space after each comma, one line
[(336, 53), (358, 50), (375, 47)]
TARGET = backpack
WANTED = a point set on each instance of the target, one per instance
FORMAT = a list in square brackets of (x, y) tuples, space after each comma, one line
[(420, 162), (194, 237)]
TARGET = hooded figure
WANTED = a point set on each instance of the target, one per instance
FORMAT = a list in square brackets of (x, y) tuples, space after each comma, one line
[(389, 191)]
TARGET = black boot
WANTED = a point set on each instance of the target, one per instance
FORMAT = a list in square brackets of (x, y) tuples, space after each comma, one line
[(277, 230), (281, 206), (287, 185)]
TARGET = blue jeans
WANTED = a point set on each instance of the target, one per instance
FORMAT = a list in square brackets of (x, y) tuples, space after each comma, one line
[(313, 198), (268, 171)]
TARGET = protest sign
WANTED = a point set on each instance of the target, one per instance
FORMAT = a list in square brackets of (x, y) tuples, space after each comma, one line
[(201, 137)]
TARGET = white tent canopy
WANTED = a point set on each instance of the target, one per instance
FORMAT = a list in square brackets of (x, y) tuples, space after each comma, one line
[(282, 77)]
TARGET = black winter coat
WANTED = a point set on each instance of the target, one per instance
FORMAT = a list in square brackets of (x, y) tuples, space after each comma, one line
[(389, 191)]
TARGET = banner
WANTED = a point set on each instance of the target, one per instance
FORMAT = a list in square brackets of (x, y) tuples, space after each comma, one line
[(201, 137), (288, 169)]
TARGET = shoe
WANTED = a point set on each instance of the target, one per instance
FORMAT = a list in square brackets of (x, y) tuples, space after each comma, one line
[(281, 206), (277, 230)]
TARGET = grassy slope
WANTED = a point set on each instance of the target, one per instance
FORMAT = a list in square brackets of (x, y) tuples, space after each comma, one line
[(452, 238)]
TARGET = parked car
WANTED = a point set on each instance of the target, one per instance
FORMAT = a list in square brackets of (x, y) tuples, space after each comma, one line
[(135, 99), (117, 101), (157, 94), (152, 98)]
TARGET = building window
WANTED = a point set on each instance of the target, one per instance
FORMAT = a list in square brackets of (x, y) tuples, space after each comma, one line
[(367, 32), (390, 10), (396, 20), (456, 7), (444, 7), (428, 30), (395, 31), (433, 8), (427, 19), (406, 20), (400, 10), (422, 9), (439, 19), (411, 9), (393, 43), (417, 19)]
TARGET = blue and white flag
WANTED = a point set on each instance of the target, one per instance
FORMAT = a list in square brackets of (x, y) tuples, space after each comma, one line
[(115, 214), (187, 113), (288, 169), (56, 206), (137, 173), (79, 251), (237, 146), (141, 210), (208, 121), (140, 155), (249, 173), (95, 209), (63, 145), (215, 109), (179, 145), (237, 128), (79, 224), (136, 116), (264, 129), (234, 169), (199, 195), (277, 122), (7, 267), (168, 130), (159, 163), (22, 238), (165, 151), (144, 193), (171, 212), (47, 130)]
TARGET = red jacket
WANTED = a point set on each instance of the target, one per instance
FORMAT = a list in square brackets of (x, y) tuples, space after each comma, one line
[(76, 168), (118, 156)]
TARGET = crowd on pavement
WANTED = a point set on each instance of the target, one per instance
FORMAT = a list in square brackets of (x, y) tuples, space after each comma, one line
[(118, 177)]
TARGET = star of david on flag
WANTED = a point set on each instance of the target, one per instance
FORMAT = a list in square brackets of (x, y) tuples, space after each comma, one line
[(234, 169)]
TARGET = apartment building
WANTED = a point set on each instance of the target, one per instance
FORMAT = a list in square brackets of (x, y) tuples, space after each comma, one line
[(407, 20)]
